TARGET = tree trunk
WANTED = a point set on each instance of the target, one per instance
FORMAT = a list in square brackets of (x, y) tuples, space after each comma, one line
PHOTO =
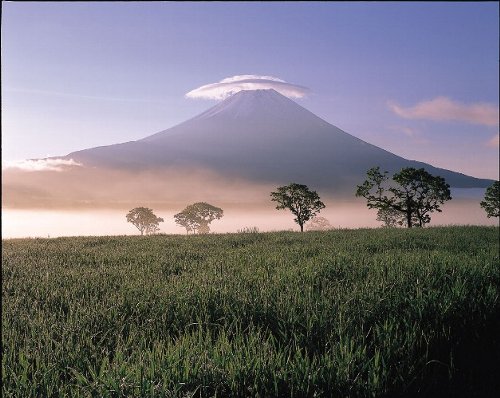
[(408, 218), (409, 211), (301, 227)]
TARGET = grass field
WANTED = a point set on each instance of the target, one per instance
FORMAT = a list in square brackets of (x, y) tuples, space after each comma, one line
[(344, 313)]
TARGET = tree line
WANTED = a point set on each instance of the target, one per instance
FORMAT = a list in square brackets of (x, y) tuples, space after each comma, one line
[(407, 199)]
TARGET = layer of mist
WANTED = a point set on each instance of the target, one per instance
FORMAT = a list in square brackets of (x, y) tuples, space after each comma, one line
[(20, 223), (99, 188), (92, 201)]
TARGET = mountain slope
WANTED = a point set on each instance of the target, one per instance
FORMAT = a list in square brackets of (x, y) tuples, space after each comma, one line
[(262, 136)]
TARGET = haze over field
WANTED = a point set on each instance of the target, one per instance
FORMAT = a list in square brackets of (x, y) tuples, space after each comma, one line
[(103, 128), (21, 223)]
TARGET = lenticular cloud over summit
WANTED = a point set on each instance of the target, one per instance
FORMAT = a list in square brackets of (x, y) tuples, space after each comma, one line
[(232, 85)]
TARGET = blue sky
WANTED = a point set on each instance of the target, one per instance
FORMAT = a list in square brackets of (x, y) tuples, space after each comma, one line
[(418, 79)]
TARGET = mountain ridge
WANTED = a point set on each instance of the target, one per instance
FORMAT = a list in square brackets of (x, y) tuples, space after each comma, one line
[(262, 135)]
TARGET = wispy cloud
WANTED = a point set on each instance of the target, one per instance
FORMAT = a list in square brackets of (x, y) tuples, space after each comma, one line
[(444, 109), (494, 142), (50, 164), (231, 85)]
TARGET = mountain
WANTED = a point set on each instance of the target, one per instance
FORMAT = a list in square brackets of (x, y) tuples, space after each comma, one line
[(262, 136)]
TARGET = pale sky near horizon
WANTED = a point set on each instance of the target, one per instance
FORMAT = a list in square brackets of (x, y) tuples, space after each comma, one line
[(418, 79)]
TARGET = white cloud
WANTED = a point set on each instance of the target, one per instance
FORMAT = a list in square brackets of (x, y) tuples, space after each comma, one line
[(247, 77), (494, 142), (443, 108), (231, 85), (50, 164)]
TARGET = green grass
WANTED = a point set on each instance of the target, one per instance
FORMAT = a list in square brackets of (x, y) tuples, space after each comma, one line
[(347, 313)]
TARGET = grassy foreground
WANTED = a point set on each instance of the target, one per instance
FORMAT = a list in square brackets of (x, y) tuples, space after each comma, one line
[(347, 313)]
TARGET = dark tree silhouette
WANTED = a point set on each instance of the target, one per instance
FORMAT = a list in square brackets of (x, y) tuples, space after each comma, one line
[(412, 196), (302, 202), (491, 202), (391, 217)]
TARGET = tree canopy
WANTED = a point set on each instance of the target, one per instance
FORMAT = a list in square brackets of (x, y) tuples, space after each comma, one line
[(197, 217), (392, 218), (409, 199), (297, 198), (144, 220), (491, 202)]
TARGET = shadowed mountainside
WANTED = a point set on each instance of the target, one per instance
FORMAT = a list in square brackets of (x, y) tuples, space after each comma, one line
[(262, 136)]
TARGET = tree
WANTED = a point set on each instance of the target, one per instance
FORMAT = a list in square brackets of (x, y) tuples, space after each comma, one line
[(144, 220), (184, 220), (203, 229), (412, 196), (197, 217), (491, 202), (302, 202), (318, 224), (391, 217)]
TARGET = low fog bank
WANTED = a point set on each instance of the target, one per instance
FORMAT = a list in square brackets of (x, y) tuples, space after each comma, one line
[(83, 201), (18, 223), (83, 188)]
